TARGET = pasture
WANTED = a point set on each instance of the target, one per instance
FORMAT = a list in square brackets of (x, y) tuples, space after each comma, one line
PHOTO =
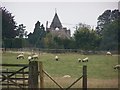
[(99, 68)]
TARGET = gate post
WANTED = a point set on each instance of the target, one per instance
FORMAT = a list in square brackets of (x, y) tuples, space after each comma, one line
[(33, 75), (84, 77), (41, 75)]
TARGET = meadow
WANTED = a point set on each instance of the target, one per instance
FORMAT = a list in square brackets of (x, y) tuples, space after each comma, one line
[(100, 70)]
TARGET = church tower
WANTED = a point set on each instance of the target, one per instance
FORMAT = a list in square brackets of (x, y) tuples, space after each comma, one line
[(56, 22), (56, 28)]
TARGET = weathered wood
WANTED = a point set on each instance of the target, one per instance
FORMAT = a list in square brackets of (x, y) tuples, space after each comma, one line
[(84, 77), (33, 75), (15, 73), (5, 72), (9, 76), (16, 65), (16, 84), (11, 84), (41, 75), (17, 78)]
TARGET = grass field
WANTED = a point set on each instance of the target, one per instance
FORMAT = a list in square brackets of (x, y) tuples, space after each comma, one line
[(99, 68)]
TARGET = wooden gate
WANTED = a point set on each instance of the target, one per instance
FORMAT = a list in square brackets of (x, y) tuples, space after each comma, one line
[(84, 76), (17, 78), (30, 78)]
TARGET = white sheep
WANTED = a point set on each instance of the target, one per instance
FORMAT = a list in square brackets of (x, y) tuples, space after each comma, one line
[(66, 76), (108, 53), (56, 58), (117, 67), (35, 56), (29, 58), (85, 59), (20, 56), (79, 60)]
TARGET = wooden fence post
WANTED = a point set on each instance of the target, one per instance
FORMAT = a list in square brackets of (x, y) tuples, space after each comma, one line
[(33, 75), (41, 75), (84, 77)]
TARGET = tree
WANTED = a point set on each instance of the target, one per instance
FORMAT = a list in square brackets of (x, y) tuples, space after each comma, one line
[(64, 43), (49, 41), (21, 33), (106, 18), (86, 39), (36, 38), (109, 29), (110, 37), (8, 24)]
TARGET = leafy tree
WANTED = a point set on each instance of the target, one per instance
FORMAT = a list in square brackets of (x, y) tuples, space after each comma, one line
[(64, 43), (36, 38), (110, 38), (86, 39), (106, 18), (109, 29), (49, 41), (8, 24)]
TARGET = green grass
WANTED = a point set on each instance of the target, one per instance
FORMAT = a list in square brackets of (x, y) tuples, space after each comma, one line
[(98, 66)]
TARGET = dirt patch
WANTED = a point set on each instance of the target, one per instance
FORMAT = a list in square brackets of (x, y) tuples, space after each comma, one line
[(92, 83)]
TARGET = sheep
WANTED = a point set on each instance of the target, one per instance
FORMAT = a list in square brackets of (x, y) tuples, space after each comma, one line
[(85, 59), (79, 60), (35, 56), (56, 58), (66, 76), (32, 57), (29, 58), (108, 53), (117, 67), (20, 56)]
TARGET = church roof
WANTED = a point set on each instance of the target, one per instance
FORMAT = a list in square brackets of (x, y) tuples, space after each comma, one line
[(56, 22)]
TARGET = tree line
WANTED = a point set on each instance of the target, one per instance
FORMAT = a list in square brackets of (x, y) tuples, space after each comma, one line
[(104, 37)]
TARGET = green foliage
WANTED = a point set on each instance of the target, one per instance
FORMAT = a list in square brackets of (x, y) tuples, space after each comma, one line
[(36, 38), (109, 28), (86, 39), (48, 41), (110, 36), (15, 43), (106, 18), (51, 42), (64, 43), (8, 24)]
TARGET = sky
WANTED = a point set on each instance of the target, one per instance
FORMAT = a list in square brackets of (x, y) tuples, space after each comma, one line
[(69, 13)]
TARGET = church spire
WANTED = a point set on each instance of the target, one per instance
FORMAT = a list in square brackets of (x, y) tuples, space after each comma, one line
[(56, 22)]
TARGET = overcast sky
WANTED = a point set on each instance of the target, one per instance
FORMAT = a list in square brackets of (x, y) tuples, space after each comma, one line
[(70, 13)]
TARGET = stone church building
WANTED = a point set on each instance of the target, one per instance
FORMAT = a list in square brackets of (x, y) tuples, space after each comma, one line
[(56, 28)]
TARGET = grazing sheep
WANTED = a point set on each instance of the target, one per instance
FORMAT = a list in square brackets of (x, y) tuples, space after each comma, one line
[(108, 53), (20, 56), (117, 67), (29, 58), (56, 58), (85, 59), (32, 57), (35, 56), (79, 60)]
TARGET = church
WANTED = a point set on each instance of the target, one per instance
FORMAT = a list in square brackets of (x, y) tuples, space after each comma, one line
[(56, 28)]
